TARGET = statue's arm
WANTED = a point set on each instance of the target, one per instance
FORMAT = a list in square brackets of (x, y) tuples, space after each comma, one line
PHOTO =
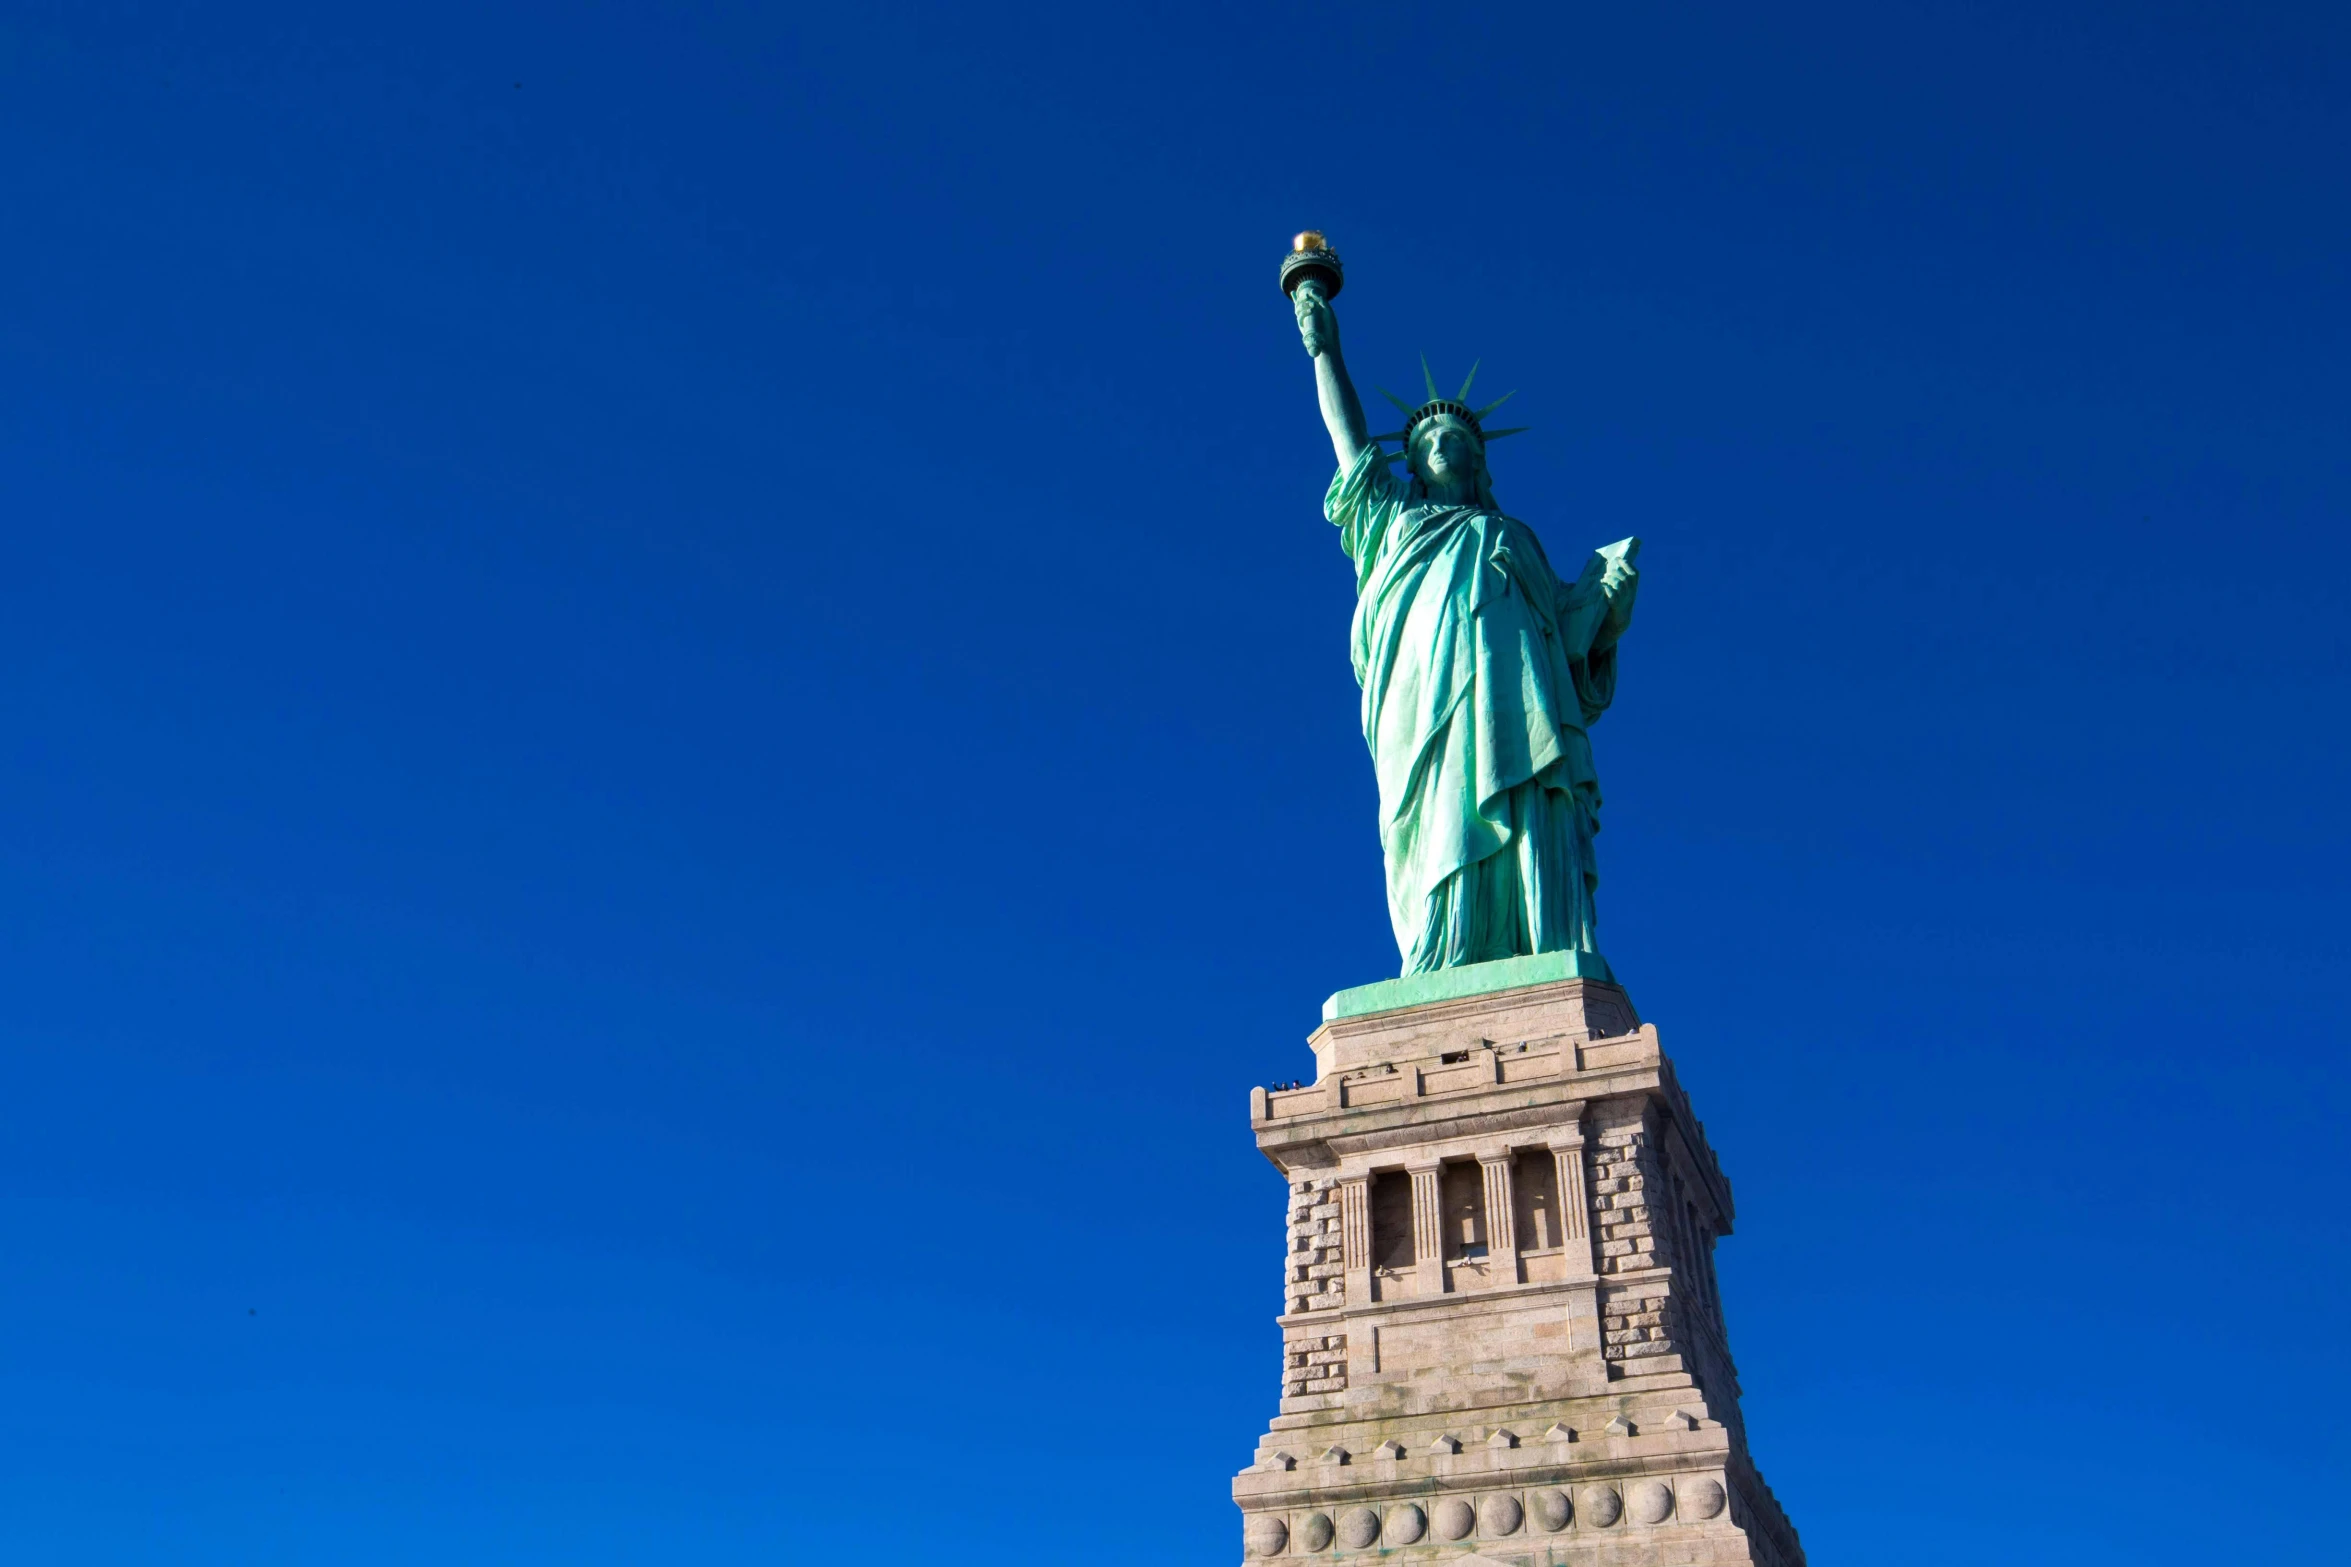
[(1342, 410)]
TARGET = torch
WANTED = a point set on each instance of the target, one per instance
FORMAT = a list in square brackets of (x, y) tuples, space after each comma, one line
[(1312, 263)]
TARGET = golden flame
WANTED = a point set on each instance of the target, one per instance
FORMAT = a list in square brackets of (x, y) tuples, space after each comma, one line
[(1311, 239)]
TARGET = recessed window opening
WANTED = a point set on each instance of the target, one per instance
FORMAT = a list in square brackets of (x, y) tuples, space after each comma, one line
[(1391, 1220), (1701, 1259), (1461, 1202), (1534, 1200)]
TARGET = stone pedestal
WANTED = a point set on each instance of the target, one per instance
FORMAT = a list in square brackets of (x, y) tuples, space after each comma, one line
[(1500, 1337)]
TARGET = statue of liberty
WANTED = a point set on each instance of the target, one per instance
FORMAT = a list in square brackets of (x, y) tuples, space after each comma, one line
[(1481, 671)]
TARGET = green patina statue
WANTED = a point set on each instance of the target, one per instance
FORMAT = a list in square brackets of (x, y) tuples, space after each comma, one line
[(1481, 671)]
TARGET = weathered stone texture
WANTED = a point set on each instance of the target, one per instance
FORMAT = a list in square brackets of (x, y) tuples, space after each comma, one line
[(1315, 1363), (1624, 1167), (1316, 1275), (1634, 1325)]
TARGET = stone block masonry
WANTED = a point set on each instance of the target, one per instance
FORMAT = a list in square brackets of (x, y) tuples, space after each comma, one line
[(1314, 1363), (1501, 1337), (1317, 1277)]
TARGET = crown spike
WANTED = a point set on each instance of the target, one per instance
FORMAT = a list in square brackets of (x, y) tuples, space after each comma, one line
[(1496, 403), (1462, 396), (1431, 381), (1398, 401), (1516, 429)]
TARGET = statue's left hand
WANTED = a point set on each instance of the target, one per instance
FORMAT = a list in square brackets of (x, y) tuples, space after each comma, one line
[(1619, 581), (1618, 571)]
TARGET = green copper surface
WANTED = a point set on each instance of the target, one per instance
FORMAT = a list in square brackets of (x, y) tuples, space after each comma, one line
[(1482, 673), (1469, 979)]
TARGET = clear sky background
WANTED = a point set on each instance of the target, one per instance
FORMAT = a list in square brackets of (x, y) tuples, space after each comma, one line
[(675, 731)]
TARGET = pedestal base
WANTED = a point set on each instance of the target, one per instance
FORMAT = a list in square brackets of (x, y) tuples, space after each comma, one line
[(1471, 979), (1501, 1338)]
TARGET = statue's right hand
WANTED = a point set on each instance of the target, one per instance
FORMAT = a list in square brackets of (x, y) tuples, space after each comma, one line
[(1318, 328)]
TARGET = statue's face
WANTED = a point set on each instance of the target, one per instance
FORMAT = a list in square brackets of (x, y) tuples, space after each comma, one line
[(1444, 451)]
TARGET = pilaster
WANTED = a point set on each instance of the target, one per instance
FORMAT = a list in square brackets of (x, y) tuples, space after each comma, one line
[(1355, 1235), (1575, 1199), (1501, 1237), (1428, 1229)]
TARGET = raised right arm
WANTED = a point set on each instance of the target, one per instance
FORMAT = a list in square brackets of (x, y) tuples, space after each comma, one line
[(1342, 411)]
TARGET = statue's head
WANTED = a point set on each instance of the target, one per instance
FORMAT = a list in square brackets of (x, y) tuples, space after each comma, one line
[(1445, 442), (1447, 454)]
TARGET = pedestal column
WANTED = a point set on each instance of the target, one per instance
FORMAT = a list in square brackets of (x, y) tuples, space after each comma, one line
[(1501, 1226), (1355, 1237), (1575, 1199), (1428, 1229)]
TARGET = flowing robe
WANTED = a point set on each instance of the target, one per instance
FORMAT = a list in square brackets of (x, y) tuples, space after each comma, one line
[(1481, 673)]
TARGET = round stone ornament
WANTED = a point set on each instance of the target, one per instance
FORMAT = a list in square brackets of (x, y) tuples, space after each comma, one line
[(1266, 1534), (1358, 1527), (1651, 1501), (1501, 1513), (1406, 1524), (1314, 1532), (1702, 1498), (1455, 1518), (1600, 1506), (1553, 1511)]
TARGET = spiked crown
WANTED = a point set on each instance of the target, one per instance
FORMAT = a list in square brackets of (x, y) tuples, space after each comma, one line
[(1454, 407)]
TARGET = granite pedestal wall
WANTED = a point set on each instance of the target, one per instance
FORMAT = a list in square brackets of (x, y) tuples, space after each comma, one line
[(1501, 1340)]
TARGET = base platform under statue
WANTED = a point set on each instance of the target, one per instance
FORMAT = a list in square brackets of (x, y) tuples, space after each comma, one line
[(1501, 1340)]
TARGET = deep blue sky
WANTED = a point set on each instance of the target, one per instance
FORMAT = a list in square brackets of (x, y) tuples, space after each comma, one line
[(675, 730)]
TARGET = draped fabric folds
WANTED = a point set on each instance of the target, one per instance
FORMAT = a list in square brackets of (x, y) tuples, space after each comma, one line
[(1481, 673)]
